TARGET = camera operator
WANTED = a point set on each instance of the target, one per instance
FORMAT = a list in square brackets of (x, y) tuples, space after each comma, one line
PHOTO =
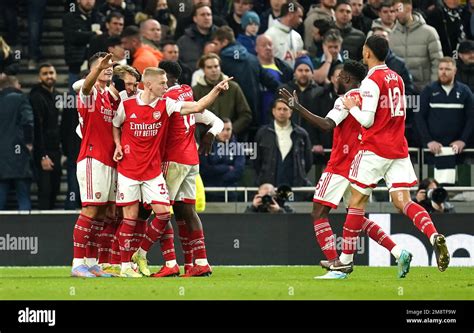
[(432, 197), (267, 200)]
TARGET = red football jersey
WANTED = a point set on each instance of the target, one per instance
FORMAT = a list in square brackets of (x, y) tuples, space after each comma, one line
[(143, 131), (383, 92), (95, 119), (346, 137), (180, 144)]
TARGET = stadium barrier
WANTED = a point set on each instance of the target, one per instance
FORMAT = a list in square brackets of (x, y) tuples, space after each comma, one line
[(242, 239)]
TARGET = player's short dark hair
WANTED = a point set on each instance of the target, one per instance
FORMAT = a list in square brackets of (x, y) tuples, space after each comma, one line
[(290, 7), (113, 41), (95, 57), (172, 68), (342, 2), (113, 14), (379, 46), (224, 33), (130, 31), (355, 69), (199, 6), (45, 65)]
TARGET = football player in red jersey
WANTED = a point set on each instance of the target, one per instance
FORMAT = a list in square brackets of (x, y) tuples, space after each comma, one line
[(139, 131), (383, 154), (334, 182)]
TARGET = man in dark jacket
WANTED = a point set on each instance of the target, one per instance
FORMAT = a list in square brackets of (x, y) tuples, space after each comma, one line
[(191, 44), (77, 29), (465, 64), (46, 148), (114, 25), (353, 39), (120, 6), (283, 150), (16, 144), (446, 116), (244, 67)]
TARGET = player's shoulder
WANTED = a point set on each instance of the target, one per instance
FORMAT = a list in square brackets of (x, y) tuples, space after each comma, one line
[(353, 93)]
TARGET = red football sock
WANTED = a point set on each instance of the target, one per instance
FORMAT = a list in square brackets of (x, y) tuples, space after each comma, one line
[(155, 230), (105, 240), (184, 238), (115, 247), (167, 244), (125, 239), (92, 249), (377, 234), (197, 244), (420, 218), (140, 231), (325, 238), (354, 220), (80, 235)]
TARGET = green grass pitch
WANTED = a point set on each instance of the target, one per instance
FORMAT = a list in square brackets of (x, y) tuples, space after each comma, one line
[(242, 283)]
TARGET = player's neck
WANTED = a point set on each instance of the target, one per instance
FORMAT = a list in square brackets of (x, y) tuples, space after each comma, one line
[(372, 64), (102, 84), (147, 97)]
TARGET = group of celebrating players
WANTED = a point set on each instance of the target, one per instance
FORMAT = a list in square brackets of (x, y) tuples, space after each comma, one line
[(138, 146)]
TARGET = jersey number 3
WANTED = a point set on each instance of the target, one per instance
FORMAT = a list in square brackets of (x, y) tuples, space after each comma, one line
[(396, 103)]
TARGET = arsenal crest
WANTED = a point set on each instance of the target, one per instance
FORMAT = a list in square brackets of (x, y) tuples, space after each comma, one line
[(156, 115), (98, 195)]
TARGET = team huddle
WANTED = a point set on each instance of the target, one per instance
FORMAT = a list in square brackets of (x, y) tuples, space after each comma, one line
[(137, 147), (138, 153)]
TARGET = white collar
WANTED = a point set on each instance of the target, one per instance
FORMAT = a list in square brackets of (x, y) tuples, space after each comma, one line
[(373, 69), (141, 103)]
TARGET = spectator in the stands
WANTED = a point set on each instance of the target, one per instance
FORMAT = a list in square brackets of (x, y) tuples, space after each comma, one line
[(185, 22), (446, 116), (9, 12), (150, 33), (191, 44), (283, 150), (46, 147), (244, 67), (371, 9), (170, 52), (425, 198), (115, 47), (223, 167), (36, 10), (250, 24), (16, 144), (119, 6), (319, 29), (77, 29), (142, 55), (352, 39), (234, 19), (8, 64), (269, 16), (446, 19), (290, 44), (230, 104), (158, 10), (417, 43), (332, 46), (322, 11), (359, 20), (308, 92), (466, 16), (265, 201), (114, 27), (387, 19), (325, 101), (275, 67), (465, 63)]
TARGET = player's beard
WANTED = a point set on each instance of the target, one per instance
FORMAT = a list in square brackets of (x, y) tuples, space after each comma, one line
[(341, 89)]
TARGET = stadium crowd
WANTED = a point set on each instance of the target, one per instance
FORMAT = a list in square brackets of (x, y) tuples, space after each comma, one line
[(264, 45)]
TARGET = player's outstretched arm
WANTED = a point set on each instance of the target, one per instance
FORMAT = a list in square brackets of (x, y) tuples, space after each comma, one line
[(91, 78), (324, 124), (206, 101)]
